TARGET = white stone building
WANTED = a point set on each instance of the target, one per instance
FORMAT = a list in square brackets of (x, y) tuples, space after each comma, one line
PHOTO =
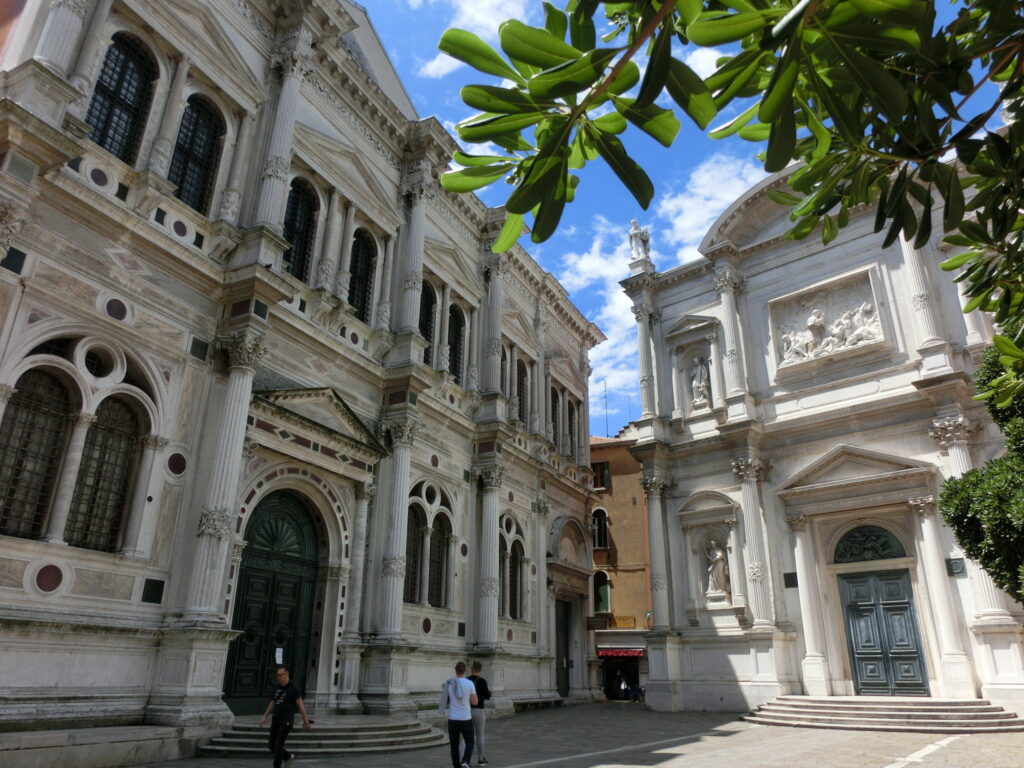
[(266, 393), (801, 407)]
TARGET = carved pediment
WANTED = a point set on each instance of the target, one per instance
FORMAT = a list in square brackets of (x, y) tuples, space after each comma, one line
[(453, 267), (518, 327), (693, 325), (846, 464)]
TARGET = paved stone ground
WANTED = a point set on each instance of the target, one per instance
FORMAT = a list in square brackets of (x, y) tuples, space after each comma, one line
[(620, 735)]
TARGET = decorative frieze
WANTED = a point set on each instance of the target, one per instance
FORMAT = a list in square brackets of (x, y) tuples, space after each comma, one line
[(654, 485), (277, 168), (412, 281), (796, 522), (402, 432), (756, 572), (394, 566)]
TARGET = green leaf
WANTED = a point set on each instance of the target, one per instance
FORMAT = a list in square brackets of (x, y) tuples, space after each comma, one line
[(713, 29), (511, 231), (629, 172), (535, 46), (547, 170), (660, 124), (779, 93), (755, 132), (781, 140), (782, 197), (628, 76), (907, 13), (490, 127), (882, 88), (469, 179), (581, 27), (689, 10), (657, 68), (734, 125), (471, 161), (572, 76), (490, 98), (690, 93), (467, 47), (555, 21), (829, 230), (1006, 346), (613, 122)]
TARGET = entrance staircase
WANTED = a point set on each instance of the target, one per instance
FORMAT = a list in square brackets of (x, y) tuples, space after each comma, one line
[(330, 736), (887, 713)]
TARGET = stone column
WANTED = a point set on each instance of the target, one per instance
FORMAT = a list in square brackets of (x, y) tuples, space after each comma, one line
[(955, 671), (68, 478), (736, 566), (327, 268), (402, 435), (490, 586), (549, 426), (513, 385), (94, 39), (642, 313), (425, 566), (357, 560), (341, 287), (442, 341), (231, 200), (473, 372), (563, 427), (417, 187), (678, 403), (151, 444), (654, 487), (977, 329), (585, 422), (60, 35), (492, 363), (245, 351), (814, 664), (293, 57), (749, 470), (920, 296), (384, 307), (449, 570), (174, 107), (717, 379), (506, 597), (727, 284)]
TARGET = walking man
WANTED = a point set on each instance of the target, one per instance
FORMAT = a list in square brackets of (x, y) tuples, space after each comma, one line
[(483, 693), (457, 696), (285, 700)]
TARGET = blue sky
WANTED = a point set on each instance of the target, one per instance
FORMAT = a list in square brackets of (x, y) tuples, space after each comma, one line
[(695, 180)]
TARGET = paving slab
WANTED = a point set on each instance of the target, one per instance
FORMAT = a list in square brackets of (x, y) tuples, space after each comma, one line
[(622, 735)]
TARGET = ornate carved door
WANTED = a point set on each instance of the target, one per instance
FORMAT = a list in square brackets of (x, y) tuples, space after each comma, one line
[(881, 631), (275, 595)]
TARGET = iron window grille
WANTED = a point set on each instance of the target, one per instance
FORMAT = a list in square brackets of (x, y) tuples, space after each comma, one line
[(556, 425), (600, 529), (299, 229), (515, 577), (415, 527), (197, 154), (456, 341), (360, 287), (428, 303), (440, 536), (121, 98), (522, 390)]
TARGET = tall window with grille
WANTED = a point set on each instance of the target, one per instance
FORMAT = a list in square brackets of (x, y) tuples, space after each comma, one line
[(428, 306), (456, 342), (364, 262), (120, 101), (572, 428), (602, 593), (100, 502), (33, 435), (504, 371), (197, 153), (515, 581), (415, 527), (299, 229), (440, 536), (556, 419), (522, 391), (600, 529)]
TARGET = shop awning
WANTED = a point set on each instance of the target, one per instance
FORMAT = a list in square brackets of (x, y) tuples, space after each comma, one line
[(620, 651)]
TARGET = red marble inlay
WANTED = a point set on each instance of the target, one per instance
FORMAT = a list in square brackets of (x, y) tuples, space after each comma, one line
[(304, 442), (177, 464), (426, 625), (266, 426), (249, 497), (508, 635), (328, 451), (49, 578)]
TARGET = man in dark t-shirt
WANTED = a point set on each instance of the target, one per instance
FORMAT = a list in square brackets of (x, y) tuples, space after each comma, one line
[(483, 693), (286, 699)]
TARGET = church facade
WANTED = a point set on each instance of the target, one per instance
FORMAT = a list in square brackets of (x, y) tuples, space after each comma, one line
[(802, 405), (267, 396)]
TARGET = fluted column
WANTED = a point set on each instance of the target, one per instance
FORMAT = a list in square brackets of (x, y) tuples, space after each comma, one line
[(442, 342), (94, 39), (654, 487), (750, 470), (384, 305), (357, 560), (294, 57), (231, 200), (219, 509), (424, 580), (814, 664), (163, 145), (727, 284), (513, 384), (736, 566), (549, 427), (402, 434), (678, 403), (585, 422), (642, 313), (977, 330), (130, 544), (60, 34), (490, 585), (505, 596), (473, 372), (417, 187), (348, 234), (492, 360), (920, 295), (328, 266), (717, 377), (61, 507)]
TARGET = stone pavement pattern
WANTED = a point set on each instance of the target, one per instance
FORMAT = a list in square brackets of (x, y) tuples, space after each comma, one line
[(618, 735)]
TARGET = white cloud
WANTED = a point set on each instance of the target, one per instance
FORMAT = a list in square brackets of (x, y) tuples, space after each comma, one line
[(482, 17), (711, 188), (439, 66), (702, 60)]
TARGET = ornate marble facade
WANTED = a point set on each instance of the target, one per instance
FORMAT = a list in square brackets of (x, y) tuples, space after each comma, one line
[(314, 352), (791, 485)]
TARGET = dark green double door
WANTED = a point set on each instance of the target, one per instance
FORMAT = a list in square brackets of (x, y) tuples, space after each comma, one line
[(274, 600), (882, 634)]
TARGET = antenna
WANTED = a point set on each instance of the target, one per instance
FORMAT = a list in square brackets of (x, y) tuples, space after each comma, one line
[(606, 434)]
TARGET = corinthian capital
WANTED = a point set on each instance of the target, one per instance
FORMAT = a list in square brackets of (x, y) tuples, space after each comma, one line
[(294, 53), (726, 280), (950, 430), (12, 218), (245, 350), (642, 312), (922, 505), (491, 476), (654, 485), (749, 468), (365, 491), (402, 432)]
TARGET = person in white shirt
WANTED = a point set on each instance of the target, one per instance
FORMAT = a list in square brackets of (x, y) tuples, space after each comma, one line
[(457, 696)]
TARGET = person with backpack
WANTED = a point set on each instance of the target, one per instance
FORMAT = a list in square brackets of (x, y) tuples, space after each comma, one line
[(458, 695)]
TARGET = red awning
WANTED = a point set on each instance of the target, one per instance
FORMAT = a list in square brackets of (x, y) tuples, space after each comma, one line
[(620, 651)]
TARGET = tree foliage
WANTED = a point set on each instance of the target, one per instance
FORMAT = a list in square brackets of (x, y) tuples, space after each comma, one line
[(880, 104)]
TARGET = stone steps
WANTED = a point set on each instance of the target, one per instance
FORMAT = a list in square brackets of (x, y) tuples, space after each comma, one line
[(329, 737), (883, 713)]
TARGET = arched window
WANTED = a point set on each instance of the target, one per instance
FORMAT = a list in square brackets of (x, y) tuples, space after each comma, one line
[(440, 537), (504, 371), (415, 527), (32, 438), (360, 287), (556, 419), (602, 593), (522, 391), (456, 341), (120, 100), (428, 303), (300, 229), (196, 153), (503, 574), (573, 427), (600, 529), (100, 501), (515, 581), (868, 542)]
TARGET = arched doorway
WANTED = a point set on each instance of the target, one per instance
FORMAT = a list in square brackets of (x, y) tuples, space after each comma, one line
[(881, 620), (274, 601)]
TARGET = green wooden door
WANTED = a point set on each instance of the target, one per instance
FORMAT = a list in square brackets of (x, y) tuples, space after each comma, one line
[(563, 625), (275, 595)]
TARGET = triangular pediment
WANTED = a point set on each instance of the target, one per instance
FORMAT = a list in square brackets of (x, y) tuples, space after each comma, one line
[(323, 411), (845, 464), (453, 266), (692, 324), (518, 327)]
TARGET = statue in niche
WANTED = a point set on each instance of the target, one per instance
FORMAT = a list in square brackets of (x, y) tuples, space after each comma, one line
[(639, 241), (718, 573), (700, 383), (850, 329)]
